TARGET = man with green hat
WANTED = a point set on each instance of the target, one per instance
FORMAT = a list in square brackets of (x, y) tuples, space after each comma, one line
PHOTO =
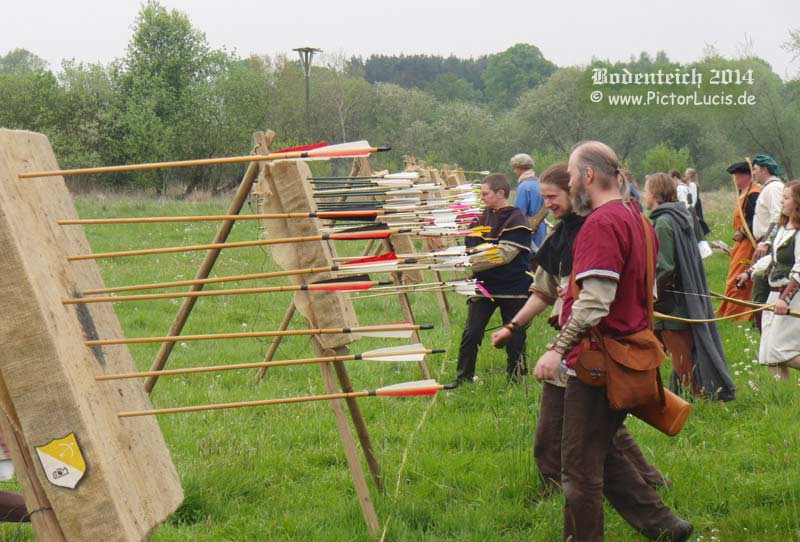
[(766, 171)]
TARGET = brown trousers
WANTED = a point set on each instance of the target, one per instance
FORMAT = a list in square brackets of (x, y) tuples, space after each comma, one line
[(547, 443), (592, 466)]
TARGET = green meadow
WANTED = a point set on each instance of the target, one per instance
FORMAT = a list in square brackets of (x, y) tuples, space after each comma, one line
[(457, 466)]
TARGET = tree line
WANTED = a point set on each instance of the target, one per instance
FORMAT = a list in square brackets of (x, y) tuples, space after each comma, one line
[(172, 97)]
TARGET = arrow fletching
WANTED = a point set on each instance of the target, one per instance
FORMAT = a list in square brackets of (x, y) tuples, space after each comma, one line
[(465, 287), (300, 148), (347, 284), (408, 352), (352, 149), (377, 234), (479, 231), (409, 389), (387, 334), (386, 267), (385, 257), (482, 289), (402, 331), (402, 175)]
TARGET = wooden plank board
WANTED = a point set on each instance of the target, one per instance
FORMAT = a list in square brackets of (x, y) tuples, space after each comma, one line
[(130, 484)]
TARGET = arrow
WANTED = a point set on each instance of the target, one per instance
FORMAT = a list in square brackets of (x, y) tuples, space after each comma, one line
[(340, 268), (387, 183), (368, 214), (344, 150), (452, 255), (215, 246), (405, 353), (407, 389), (401, 330), (332, 285), (343, 214), (462, 287), (483, 172), (411, 175)]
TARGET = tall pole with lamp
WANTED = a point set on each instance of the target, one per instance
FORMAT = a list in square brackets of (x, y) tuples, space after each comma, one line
[(306, 56)]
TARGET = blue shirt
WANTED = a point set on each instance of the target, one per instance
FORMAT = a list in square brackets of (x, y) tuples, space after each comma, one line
[(529, 199)]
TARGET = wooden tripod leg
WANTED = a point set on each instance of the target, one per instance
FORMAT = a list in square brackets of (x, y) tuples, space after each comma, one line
[(349, 447), (358, 420), (405, 305), (43, 519), (276, 341), (205, 269), (367, 248), (441, 296)]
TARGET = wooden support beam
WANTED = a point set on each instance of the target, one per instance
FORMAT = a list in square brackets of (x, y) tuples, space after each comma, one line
[(276, 341), (239, 199)]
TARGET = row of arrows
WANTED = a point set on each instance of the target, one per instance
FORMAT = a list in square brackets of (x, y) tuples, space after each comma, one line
[(398, 201)]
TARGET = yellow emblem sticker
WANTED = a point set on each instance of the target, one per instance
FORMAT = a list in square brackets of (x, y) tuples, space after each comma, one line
[(62, 461)]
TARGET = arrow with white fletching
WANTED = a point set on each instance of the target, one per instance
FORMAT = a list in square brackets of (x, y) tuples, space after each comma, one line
[(405, 353), (401, 330)]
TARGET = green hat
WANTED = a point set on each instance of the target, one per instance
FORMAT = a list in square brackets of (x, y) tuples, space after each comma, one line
[(765, 160)]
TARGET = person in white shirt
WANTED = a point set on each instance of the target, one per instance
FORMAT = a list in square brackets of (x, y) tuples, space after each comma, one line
[(694, 198), (766, 172), (681, 187), (780, 346)]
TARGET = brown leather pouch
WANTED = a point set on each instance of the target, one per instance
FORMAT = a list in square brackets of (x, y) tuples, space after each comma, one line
[(633, 378), (591, 365)]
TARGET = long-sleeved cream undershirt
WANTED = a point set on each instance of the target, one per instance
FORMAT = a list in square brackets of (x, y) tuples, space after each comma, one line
[(592, 304)]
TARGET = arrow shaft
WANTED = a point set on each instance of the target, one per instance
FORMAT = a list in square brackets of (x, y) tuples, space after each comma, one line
[(318, 153), (384, 294), (211, 218), (241, 404), (257, 334), (355, 285), (238, 244), (214, 280), (253, 365)]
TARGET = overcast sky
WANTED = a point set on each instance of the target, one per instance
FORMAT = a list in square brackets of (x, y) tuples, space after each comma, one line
[(568, 32)]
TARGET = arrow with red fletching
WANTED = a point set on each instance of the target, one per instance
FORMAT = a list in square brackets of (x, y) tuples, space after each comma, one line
[(407, 389), (342, 150), (342, 269), (379, 234), (301, 148)]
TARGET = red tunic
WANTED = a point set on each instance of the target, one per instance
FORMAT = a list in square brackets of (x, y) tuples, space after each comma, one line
[(611, 244)]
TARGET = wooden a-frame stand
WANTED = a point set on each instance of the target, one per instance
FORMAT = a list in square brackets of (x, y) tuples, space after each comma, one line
[(322, 345)]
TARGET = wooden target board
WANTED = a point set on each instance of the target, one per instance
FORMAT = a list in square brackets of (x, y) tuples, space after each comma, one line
[(63, 424)]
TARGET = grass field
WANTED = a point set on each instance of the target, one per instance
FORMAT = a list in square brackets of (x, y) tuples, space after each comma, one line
[(458, 466)]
